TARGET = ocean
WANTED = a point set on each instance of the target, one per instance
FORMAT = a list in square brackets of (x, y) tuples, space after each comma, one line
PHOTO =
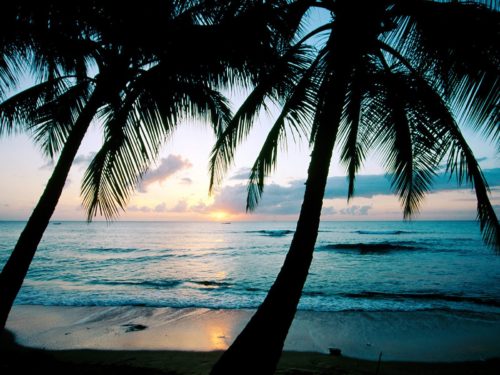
[(357, 266)]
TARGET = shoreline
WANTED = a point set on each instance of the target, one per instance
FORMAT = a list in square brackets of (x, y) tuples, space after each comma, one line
[(417, 336)]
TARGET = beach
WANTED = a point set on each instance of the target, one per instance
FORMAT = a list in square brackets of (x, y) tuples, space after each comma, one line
[(189, 340), (420, 296), (425, 336)]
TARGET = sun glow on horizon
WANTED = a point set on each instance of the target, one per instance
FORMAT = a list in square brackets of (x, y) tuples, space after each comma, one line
[(219, 215)]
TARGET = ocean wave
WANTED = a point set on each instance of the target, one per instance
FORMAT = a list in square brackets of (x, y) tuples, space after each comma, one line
[(252, 289), (314, 293), (424, 296), (120, 261), (211, 284), (155, 284), (370, 248), (272, 233), (114, 250), (165, 284), (383, 232)]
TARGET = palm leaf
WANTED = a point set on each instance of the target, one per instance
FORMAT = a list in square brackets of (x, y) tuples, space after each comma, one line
[(135, 133), (54, 119), (353, 142), (11, 68), (276, 83), (402, 131), (117, 166), (19, 112), (461, 161), (458, 43), (297, 114)]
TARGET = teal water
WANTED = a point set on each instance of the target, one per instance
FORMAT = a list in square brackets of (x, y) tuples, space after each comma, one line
[(372, 266)]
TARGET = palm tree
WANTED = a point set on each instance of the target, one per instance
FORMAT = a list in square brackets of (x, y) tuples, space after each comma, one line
[(141, 92), (389, 77), (39, 36)]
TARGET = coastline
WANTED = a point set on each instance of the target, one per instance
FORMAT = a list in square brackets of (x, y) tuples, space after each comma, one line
[(417, 336)]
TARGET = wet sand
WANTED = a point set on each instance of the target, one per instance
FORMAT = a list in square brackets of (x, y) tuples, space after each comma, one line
[(424, 336)]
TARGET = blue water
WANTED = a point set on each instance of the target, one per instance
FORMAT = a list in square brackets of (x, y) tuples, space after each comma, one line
[(357, 265)]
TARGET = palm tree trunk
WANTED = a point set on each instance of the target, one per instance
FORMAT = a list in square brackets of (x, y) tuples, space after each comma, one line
[(258, 347), (17, 265)]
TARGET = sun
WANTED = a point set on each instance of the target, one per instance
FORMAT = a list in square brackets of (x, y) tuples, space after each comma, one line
[(219, 215)]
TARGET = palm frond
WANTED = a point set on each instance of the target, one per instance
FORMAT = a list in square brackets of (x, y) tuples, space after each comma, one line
[(246, 38), (57, 55), (135, 132), (297, 114), (116, 168), (353, 143), (18, 113), (402, 131), (325, 84), (54, 119), (461, 161), (12, 63), (273, 86), (457, 42), (193, 94)]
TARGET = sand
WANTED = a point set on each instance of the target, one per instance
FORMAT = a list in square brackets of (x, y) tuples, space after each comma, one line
[(426, 336), (145, 340)]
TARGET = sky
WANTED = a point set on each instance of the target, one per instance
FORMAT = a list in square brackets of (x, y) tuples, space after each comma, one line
[(176, 186)]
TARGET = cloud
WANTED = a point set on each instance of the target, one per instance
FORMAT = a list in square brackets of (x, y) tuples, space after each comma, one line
[(367, 186), (329, 211), (241, 174), (287, 200), (356, 210), (168, 167), (84, 160), (80, 160), (162, 207), (186, 181), (277, 199), (135, 208), (200, 208), (181, 206)]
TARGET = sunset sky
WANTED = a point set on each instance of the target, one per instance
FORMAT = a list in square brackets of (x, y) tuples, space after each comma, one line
[(176, 188)]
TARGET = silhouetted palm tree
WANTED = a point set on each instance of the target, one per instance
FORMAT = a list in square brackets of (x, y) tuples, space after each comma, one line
[(156, 66), (388, 77), (49, 40)]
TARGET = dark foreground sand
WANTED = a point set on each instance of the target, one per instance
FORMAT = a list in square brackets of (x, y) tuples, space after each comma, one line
[(140, 340), (18, 360)]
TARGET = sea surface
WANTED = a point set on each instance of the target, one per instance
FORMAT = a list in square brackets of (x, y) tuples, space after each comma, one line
[(367, 266)]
